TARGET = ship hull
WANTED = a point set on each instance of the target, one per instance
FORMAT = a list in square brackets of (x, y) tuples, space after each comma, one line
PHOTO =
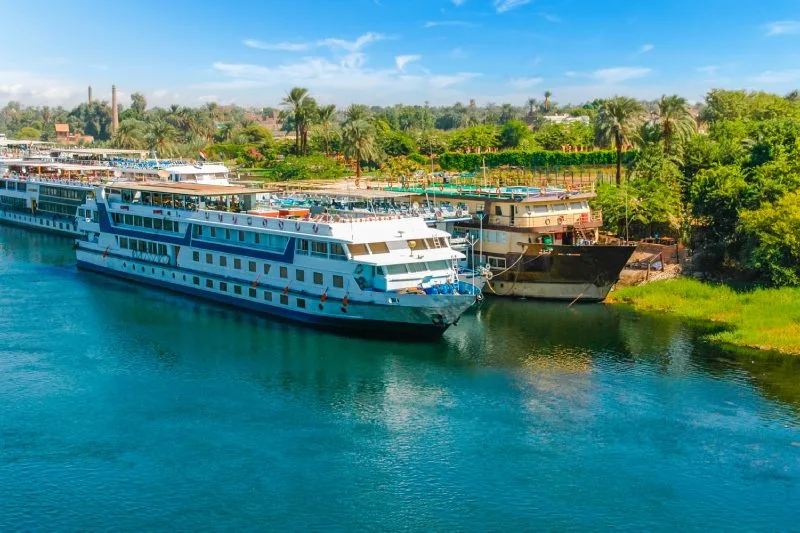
[(582, 273), (47, 224)]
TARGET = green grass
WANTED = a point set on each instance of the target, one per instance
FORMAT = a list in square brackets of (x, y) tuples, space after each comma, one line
[(766, 319)]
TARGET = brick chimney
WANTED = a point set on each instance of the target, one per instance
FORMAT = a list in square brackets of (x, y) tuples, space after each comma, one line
[(114, 110)]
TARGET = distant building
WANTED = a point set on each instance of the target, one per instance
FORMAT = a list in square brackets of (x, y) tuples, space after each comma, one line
[(63, 136), (565, 119)]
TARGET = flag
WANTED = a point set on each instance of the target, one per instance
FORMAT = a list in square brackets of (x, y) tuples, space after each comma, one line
[(203, 155)]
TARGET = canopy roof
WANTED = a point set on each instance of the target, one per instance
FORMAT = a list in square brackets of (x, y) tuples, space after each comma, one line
[(191, 189)]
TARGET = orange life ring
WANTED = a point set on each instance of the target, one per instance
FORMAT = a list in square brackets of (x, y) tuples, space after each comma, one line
[(547, 222)]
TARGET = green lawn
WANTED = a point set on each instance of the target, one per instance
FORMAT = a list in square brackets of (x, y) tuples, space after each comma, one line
[(766, 319)]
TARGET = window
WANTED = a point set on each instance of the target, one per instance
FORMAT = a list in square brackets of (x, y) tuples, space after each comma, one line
[(300, 275), (301, 303), (396, 269), (237, 263), (497, 262), (267, 296), (540, 209), (251, 266), (358, 249), (196, 256), (266, 268), (338, 281), (148, 222), (559, 207), (223, 286), (241, 236), (379, 247), (302, 247), (256, 238), (198, 230), (209, 259), (576, 205), (416, 244), (319, 249), (318, 278), (337, 252), (284, 299), (252, 292), (227, 234), (123, 242), (137, 220), (284, 272), (158, 223), (438, 265), (237, 289), (213, 232), (196, 280), (209, 284), (416, 267), (223, 261), (498, 210), (129, 220)]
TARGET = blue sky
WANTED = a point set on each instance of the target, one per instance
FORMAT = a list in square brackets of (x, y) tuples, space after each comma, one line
[(390, 51)]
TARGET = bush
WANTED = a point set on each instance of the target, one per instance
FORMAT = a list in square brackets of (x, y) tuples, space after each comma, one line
[(308, 167), (542, 158)]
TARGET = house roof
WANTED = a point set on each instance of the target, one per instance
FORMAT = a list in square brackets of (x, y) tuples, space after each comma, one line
[(62, 128)]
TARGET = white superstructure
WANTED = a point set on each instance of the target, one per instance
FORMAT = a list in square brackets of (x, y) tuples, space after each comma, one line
[(363, 275)]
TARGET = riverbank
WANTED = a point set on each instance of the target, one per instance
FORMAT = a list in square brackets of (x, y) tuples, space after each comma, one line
[(765, 319)]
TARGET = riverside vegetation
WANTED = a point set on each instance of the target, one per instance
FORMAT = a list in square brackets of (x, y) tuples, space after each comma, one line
[(723, 176)]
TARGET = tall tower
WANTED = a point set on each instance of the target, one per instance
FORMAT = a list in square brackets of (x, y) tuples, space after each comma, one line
[(114, 110), (90, 96)]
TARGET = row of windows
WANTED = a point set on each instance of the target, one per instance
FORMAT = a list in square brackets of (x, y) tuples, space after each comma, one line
[(266, 241), (88, 213), (321, 249), (488, 235), (13, 185), (412, 268), (545, 208), (13, 203), (138, 245), (146, 222), (60, 209), (61, 192), (283, 271), (252, 292)]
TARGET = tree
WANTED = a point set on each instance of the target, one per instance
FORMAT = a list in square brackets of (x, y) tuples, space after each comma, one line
[(293, 102), (129, 135), (531, 103), (326, 117), (161, 138), (773, 240), (513, 133), (616, 124), (547, 95), (358, 138), (675, 120), (357, 112), (397, 143), (29, 134), (138, 103)]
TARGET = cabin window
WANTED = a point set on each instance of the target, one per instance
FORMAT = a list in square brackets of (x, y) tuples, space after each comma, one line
[(123, 242), (417, 267), (358, 249), (137, 221), (237, 289), (251, 266), (241, 236), (237, 263), (540, 209), (438, 265), (148, 222), (213, 231), (256, 238), (158, 223), (302, 247), (223, 286), (379, 247), (301, 303), (143, 246), (338, 281), (300, 275), (337, 252), (284, 299), (497, 262), (318, 278), (576, 205), (209, 259), (162, 249), (416, 244), (396, 269), (223, 261), (284, 272), (559, 207), (319, 249), (128, 219), (267, 296), (227, 234), (198, 230), (498, 210), (196, 280), (266, 268), (209, 284), (196, 256), (252, 292)]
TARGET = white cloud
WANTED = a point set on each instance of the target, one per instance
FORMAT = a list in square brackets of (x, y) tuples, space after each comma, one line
[(31, 88), (525, 83), (791, 75), (458, 2), (208, 98), (619, 74), (783, 27), (501, 6), (402, 61), (461, 23), (549, 17), (458, 53), (646, 48), (709, 70), (161, 93), (284, 46)]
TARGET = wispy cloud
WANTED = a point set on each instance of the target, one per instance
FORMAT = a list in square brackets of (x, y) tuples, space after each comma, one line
[(458, 2), (401, 61), (791, 75), (501, 6), (549, 17), (619, 74), (458, 52), (350, 46), (525, 83), (284, 46), (646, 48), (461, 23), (783, 27), (709, 70)]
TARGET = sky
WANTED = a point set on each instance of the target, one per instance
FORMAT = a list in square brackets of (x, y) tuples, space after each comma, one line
[(383, 52)]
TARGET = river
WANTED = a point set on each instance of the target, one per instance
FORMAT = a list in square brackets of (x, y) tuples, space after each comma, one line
[(127, 408)]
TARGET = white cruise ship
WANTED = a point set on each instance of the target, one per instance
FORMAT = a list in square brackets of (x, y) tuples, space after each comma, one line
[(370, 275)]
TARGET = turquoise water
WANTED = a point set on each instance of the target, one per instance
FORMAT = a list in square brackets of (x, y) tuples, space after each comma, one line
[(126, 408)]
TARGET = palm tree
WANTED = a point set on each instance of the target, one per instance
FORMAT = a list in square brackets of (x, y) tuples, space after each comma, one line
[(293, 102), (308, 115), (357, 112), (128, 135), (674, 119), (325, 119), (547, 95), (617, 121), (531, 105), (161, 138), (358, 138)]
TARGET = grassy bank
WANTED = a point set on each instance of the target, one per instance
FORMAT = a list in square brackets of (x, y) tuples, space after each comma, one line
[(766, 319)]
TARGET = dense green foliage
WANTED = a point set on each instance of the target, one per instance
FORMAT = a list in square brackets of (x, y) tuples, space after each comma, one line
[(767, 319), (534, 159)]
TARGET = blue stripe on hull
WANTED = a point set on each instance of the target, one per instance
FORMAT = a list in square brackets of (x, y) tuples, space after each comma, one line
[(357, 327), (37, 227)]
